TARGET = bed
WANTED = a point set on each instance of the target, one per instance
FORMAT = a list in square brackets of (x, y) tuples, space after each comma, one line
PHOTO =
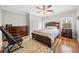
[(47, 35)]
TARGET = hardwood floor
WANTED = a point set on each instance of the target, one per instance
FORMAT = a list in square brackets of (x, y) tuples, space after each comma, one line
[(66, 45), (62, 45)]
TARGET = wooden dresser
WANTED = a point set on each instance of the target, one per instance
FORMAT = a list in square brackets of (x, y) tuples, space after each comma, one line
[(19, 30), (66, 32)]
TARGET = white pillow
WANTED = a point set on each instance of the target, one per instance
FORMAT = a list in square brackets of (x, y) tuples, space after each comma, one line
[(51, 27)]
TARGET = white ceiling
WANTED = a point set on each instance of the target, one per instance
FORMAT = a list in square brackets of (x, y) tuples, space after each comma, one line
[(33, 10)]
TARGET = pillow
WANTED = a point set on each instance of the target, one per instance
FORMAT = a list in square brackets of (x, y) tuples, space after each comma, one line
[(51, 27)]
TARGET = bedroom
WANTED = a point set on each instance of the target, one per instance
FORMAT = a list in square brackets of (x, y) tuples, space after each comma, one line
[(26, 20)]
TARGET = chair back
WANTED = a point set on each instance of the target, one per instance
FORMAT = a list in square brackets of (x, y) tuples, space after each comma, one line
[(8, 36)]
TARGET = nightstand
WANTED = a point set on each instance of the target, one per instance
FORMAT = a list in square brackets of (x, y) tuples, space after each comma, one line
[(66, 32)]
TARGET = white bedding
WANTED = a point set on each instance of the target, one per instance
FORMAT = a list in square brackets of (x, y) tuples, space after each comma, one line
[(52, 31)]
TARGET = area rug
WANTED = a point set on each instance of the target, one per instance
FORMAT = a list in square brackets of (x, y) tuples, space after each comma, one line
[(32, 46)]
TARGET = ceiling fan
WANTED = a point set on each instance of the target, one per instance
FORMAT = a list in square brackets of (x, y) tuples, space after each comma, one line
[(45, 9)]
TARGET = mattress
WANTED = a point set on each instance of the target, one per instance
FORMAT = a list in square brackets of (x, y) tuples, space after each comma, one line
[(51, 33)]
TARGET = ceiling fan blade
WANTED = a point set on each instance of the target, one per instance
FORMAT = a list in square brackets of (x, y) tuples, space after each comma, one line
[(49, 6), (50, 10), (38, 8)]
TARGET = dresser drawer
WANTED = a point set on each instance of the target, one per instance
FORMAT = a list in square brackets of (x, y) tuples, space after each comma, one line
[(66, 33)]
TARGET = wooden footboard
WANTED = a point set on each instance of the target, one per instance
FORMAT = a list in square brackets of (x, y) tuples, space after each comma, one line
[(43, 39)]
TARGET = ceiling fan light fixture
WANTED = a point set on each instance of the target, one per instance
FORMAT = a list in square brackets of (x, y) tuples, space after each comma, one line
[(45, 9)]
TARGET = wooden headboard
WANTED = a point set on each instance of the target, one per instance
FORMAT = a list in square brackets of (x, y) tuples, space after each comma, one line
[(53, 24)]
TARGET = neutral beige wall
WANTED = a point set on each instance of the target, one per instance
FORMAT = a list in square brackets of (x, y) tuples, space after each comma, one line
[(15, 19)]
